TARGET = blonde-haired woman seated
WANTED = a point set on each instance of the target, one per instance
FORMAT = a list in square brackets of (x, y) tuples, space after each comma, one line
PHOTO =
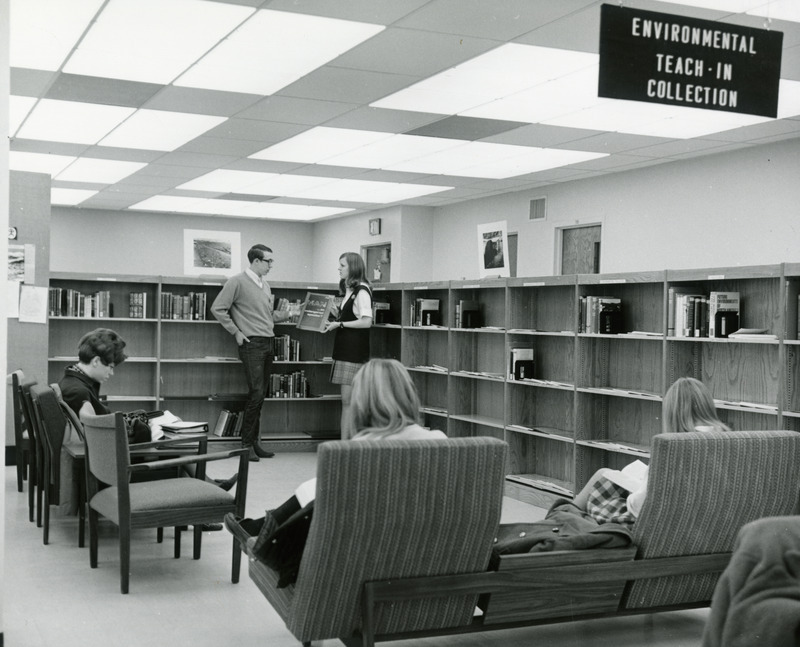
[(618, 495), (385, 406)]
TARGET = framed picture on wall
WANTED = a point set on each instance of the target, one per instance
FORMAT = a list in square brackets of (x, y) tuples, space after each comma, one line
[(493, 249), (211, 252)]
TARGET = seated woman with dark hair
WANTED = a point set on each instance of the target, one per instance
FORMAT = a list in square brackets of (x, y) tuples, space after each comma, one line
[(385, 406)]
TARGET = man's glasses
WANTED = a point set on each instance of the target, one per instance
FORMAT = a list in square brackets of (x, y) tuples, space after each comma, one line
[(268, 261)]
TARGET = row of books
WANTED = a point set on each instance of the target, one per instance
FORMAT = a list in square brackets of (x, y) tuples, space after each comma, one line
[(67, 302), (282, 304), (691, 313), (184, 306), (468, 314), (229, 423), (286, 349), (600, 315), (289, 385), (137, 305)]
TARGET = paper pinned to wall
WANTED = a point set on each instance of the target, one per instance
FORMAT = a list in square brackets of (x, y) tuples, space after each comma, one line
[(12, 299), (33, 304)]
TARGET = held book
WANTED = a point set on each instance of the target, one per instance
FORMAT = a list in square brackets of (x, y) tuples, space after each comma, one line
[(315, 311)]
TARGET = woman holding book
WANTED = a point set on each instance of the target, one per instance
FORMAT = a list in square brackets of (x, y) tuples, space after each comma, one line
[(618, 495), (351, 345), (385, 406)]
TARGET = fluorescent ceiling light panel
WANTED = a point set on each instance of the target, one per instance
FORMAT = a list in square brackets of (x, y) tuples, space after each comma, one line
[(788, 99), (99, 171), (394, 150), (318, 144), (273, 49), (43, 32), (369, 191), (160, 130), (153, 41), (38, 162), (72, 121), (229, 181), (499, 73), (69, 196), (18, 109), (240, 208)]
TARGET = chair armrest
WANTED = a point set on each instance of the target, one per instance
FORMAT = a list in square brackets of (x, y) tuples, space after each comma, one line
[(200, 439), (186, 460)]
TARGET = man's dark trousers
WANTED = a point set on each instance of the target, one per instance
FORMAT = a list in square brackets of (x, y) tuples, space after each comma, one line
[(256, 356)]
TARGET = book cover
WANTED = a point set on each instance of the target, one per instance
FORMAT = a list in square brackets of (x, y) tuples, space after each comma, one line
[(315, 311), (222, 422), (721, 302), (520, 363), (469, 313)]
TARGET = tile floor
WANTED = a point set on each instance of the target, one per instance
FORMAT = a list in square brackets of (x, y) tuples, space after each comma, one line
[(53, 599)]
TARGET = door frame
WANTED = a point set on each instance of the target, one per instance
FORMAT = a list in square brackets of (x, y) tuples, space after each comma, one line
[(559, 242)]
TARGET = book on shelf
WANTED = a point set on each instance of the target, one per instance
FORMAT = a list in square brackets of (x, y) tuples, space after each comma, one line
[(468, 314), (520, 363), (672, 298), (185, 427), (184, 307), (600, 315), (724, 309), (753, 334), (285, 349), (222, 422), (380, 312), (67, 302), (426, 312), (236, 427), (686, 309)]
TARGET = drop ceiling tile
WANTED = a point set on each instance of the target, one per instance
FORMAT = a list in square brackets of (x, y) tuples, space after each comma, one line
[(383, 120), (569, 30), (255, 130), (379, 175), (677, 147), (247, 197), (123, 154), (222, 146), (203, 102), (541, 135), (467, 128), (190, 193), (382, 12), (758, 131), (110, 92), (294, 110), (613, 143), (30, 83), (265, 166), (158, 182), (425, 52), (500, 21), (197, 160), (53, 148), (179, 173), (64, 184), (612, 161), (790, 64), (338, 84)]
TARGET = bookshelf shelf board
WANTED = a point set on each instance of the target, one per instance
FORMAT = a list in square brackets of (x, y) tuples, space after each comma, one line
[(189, 321), (622, 336), (130, 398), (541, 482), (751, 407), (621, 393), (434, 411), (427, 328), (486, 421), (484, 330), (541, 333), (617, 448), (129, 360), (792, 342), (427, 369), (544, 384), (304, 362), (241, 397), (390, 326), (551, 433), (792, 414), (491, 377), (725, 340), (116, 319), (202, 360)]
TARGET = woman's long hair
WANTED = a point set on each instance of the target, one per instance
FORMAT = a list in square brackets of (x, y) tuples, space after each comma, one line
[(356, 271), (384, 399), (688, 404)]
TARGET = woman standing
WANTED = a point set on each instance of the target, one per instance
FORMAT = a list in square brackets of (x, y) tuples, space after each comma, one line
[(351, 345)]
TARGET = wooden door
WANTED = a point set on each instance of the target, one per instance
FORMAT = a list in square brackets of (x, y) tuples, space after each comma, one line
[(580, 250)]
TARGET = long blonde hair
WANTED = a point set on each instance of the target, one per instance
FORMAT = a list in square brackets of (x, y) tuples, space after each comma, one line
[(688, 404), (384, 400)]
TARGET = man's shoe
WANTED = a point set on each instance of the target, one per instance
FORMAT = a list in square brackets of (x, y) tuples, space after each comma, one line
[(261, 452), (227, 484), (252, 456), (211, 527)]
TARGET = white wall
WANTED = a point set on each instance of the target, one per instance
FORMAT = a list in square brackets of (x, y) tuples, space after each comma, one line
[(4, 185), (739, 208), (142, 243)]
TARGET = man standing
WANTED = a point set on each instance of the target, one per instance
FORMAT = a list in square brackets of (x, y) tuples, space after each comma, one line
[(244, 307)]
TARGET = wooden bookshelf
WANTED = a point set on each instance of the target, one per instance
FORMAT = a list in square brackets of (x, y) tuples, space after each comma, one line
[(181, 364), (594, 400)]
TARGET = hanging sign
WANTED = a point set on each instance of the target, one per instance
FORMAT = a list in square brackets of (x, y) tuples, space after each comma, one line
[(682, 61)]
